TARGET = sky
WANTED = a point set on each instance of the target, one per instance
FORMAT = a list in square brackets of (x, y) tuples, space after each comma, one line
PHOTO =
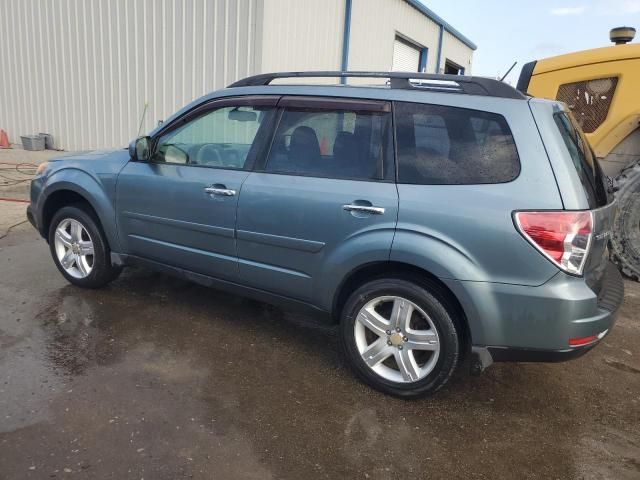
[(519, 30)]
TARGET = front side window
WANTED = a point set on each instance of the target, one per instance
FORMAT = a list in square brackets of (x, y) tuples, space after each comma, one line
[(441, 145), (331, 143), (219, 138)]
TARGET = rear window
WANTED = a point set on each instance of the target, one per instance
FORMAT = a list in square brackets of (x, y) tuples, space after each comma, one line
[(584, 160), (441, 145), (339, 144)]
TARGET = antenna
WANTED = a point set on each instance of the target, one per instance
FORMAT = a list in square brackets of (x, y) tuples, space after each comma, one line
[(622, 35), (508, 71)]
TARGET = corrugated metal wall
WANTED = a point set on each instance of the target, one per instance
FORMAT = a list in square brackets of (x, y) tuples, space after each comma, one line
[(453, 49), (374, 26), (82, 70), (302, 35)]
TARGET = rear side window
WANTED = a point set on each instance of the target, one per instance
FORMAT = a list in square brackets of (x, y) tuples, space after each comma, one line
[(330, 143), (584, 160), (441, 145)]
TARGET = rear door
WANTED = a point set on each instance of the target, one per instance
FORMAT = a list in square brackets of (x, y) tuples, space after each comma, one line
[(324, 197), (180, 208)]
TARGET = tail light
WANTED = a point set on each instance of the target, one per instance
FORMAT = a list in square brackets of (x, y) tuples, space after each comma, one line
[(562, 237)]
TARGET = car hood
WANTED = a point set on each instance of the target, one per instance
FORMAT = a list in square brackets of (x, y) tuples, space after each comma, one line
[(91, 155), (98, 161)]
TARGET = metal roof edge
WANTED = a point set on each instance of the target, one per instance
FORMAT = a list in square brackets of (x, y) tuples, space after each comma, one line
[(440, 21)]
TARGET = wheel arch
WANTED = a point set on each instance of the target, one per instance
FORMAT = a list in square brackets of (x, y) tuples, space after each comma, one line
[(386, 269), (81, 188), (57, 200)]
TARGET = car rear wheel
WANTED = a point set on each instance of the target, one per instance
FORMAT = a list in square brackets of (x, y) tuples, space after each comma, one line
[(79, 248), (399, 337)]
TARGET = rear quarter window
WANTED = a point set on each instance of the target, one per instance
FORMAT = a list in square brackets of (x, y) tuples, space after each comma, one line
[(442, 145), (584, 160)]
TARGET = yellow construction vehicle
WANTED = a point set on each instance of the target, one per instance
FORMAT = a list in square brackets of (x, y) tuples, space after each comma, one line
[(602, 89)]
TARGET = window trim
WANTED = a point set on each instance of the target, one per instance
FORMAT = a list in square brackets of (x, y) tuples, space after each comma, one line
[(216, 104), (315, 103), (334, 103)]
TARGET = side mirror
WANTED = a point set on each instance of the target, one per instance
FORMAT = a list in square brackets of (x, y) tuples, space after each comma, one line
[(140, 149)]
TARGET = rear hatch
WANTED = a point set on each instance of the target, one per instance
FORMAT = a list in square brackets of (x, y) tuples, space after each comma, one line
[(599, 199)]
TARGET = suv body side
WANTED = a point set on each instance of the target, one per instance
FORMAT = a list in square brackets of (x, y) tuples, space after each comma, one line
[(462, 234)]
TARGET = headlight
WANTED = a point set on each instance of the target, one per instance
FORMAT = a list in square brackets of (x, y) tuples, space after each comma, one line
[(42, 167)]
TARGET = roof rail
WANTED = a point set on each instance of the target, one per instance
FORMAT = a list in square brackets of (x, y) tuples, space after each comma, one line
[(403, 80)]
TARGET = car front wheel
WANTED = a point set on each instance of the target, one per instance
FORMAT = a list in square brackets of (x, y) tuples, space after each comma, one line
[(79, 248), (399, 337)]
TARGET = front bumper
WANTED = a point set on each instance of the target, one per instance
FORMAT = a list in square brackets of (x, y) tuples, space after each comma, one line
[(31, 217)]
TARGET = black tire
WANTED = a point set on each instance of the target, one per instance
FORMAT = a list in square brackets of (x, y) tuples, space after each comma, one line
[(625, 242), (102, 271), (431, 300)]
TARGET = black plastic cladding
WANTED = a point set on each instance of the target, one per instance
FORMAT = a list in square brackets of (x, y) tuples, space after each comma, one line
[(402, 80)]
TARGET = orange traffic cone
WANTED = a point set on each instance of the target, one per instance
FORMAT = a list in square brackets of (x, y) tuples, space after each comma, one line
[(4, 140), (324, 146)]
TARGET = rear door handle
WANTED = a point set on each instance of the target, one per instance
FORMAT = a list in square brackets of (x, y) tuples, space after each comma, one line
[(364, 209), (220, 190)]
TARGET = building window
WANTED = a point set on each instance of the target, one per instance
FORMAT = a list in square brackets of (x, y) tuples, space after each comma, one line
[(452, 68)]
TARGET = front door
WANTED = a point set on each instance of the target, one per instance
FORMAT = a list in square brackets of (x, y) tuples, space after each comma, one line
[(324, 196), (180, 208)]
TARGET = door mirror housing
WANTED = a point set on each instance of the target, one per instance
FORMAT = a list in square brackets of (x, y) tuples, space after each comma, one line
[(140, 149)]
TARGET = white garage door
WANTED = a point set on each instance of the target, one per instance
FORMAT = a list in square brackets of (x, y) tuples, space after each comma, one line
[(406, 57)]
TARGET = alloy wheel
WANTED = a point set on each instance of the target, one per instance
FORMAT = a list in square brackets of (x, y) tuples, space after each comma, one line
[(74, 248), (396, 339)]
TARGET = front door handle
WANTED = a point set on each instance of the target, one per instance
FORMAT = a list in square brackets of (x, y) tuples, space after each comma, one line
[(220, 190), (364, 209)]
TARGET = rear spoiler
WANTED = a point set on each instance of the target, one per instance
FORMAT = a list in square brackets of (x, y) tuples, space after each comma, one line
[(525, 76)]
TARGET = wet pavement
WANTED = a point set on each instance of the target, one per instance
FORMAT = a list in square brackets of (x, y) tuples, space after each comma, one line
[(158, 378)]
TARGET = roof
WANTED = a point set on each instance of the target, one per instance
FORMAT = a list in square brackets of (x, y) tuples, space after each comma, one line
[(588, 57), (440, 21)]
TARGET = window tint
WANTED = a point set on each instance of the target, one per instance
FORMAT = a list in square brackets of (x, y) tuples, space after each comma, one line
[(219, 138), (328, 143), (440, 145), (584, 160)]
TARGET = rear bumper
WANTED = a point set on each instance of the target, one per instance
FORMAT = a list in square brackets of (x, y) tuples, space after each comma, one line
[(505, 354), (609, 301), (536, 324)]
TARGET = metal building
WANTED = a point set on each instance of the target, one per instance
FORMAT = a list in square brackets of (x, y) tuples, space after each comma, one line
[(83, 70)]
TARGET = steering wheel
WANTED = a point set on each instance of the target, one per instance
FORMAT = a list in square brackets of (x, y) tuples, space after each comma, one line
[(231, 158), (209, 155)]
